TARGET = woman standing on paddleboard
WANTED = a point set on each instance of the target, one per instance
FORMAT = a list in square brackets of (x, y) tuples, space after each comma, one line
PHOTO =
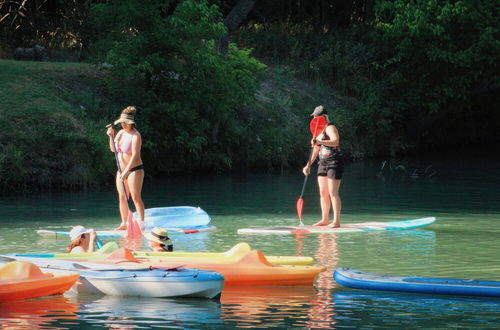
[(128, 144), (330, 170)]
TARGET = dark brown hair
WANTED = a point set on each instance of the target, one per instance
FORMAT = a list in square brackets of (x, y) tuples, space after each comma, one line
[(74, 243), (130, 110)]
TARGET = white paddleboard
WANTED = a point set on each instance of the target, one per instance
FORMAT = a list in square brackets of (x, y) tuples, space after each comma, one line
[(345, 228)]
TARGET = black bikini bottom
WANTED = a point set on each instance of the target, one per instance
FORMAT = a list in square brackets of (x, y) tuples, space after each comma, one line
[(137, 168)]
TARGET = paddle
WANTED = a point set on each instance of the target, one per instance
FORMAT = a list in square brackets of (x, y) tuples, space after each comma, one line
[(316, 126), (133, 229), (98, 242), (83, 267)]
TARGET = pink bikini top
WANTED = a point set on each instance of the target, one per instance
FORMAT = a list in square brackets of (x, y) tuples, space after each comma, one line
[(125, 143)]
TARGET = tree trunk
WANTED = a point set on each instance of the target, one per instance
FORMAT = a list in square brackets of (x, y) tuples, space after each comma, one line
[(232, 21)]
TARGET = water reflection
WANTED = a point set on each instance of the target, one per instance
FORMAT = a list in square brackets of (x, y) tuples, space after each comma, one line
[(38, 313), (130, 312), (384, 310), (322, 310), (267, 306), (461, 244)]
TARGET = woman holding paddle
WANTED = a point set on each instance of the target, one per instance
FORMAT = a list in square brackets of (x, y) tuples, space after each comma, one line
[(330, 169), (130, 174)]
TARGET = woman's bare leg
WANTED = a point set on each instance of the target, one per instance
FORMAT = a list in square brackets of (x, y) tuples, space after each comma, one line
[(135, 181), (122, 203), (324, 201), (333, 189)]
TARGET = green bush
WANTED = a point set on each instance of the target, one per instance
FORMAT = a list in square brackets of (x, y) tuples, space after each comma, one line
[(189, 95)]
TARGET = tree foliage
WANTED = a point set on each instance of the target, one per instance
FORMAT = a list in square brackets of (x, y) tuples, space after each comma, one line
[(24, 23), (412, 69), (190, 95), (443, 54), (397, 75)]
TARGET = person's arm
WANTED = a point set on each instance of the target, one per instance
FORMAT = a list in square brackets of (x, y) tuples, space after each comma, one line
[(307, 169), (334, 140), (136, 154), (112, 141), (92, 239)]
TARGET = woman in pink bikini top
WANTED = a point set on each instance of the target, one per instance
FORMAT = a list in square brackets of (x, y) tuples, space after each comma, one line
[(128, 143)]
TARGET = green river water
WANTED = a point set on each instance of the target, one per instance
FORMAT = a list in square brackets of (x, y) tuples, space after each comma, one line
[(462, 192)]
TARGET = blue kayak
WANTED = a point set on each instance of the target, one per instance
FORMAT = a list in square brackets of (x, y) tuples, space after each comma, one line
[(366, 281)]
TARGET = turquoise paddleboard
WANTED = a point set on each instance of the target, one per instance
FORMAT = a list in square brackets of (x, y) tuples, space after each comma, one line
[(345, 228)]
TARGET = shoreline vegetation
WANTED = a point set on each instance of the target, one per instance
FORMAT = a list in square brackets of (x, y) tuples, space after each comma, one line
[(218, 93)]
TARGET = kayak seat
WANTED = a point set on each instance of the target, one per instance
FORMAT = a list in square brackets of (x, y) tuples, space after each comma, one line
[(20, 270), (122, 254), (237, 250)]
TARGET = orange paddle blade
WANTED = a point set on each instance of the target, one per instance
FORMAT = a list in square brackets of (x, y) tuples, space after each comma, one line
[(317, 125), (133, 228), (300, 204)]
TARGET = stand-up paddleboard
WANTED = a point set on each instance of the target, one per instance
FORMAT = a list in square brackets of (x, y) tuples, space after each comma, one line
[(347, 228), (114, 234), (450, 286)]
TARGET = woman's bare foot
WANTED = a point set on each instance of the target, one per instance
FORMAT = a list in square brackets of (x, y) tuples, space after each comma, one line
[(320, 223), (334, 225), (121, 227)]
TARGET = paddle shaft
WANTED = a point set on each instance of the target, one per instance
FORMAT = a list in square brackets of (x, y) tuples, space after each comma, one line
[(300, 201), (309, 160), (305, 179)]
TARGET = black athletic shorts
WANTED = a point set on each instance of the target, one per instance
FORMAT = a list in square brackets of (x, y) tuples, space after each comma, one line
[(333, 169)]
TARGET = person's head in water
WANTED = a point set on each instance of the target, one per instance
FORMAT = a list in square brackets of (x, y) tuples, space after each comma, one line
[(158, 240)]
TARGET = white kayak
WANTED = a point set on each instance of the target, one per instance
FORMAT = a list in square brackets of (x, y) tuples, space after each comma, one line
[(134, 280), (344, 228), (116, 234)]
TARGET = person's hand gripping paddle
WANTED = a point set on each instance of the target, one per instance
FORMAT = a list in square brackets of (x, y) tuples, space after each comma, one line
[(316, 126), (133, 228)]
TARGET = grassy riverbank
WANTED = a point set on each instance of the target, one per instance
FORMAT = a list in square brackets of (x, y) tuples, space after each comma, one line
[(47, 137)]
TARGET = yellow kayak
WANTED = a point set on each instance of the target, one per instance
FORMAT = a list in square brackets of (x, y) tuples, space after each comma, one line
[(232, 255)]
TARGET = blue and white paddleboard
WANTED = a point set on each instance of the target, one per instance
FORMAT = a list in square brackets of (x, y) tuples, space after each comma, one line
[(176, 219), (345, 228), (366, 281), (116, 234), (175, 216)]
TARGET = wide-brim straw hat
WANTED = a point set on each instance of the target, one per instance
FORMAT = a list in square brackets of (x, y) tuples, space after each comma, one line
[(158, 235), (125, 118)]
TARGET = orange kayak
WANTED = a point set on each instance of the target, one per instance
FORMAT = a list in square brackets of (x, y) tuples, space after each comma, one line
[(23, 280), (251, 269)]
